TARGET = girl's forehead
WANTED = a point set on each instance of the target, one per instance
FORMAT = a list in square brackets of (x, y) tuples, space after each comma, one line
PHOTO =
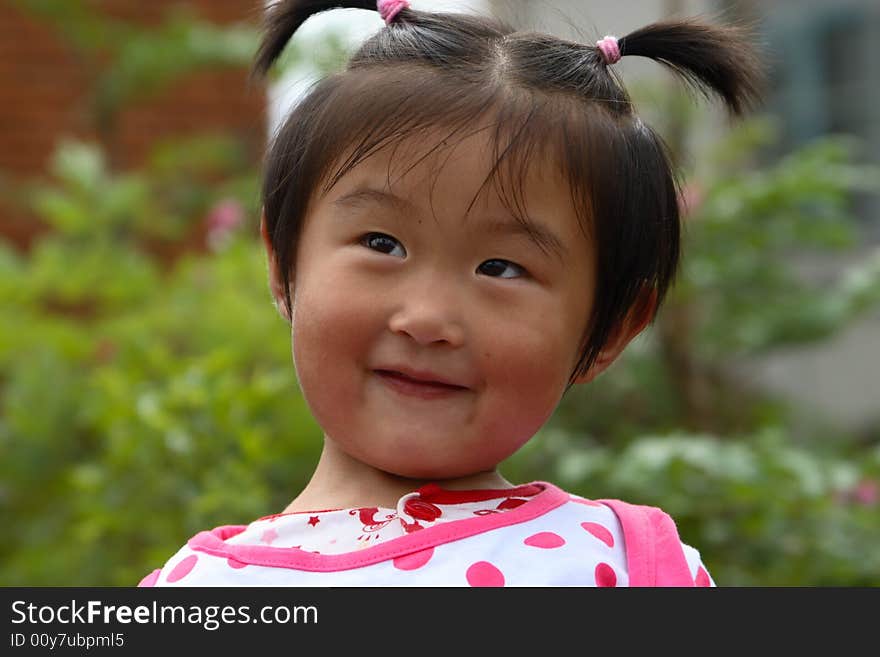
[(477, 166)]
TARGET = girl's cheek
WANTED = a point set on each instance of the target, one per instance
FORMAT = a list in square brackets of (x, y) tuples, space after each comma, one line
[(338, 323)]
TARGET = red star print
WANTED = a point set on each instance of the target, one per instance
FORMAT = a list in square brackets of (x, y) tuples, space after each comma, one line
[(313, 520)]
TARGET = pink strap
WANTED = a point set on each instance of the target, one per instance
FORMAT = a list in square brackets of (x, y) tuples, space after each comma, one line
[(609, 48), (388, 9), (654, 556)]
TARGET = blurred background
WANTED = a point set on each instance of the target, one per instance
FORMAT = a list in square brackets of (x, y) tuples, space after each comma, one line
[(146, 385)]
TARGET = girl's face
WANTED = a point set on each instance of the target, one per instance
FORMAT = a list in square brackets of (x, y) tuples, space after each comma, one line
[(393, 284)]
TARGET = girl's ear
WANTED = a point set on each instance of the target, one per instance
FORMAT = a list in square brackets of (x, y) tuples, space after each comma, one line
[(634, 323), (276, 285)]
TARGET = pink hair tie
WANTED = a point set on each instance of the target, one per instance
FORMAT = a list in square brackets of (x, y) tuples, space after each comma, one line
[(609, 49), (388, 9)]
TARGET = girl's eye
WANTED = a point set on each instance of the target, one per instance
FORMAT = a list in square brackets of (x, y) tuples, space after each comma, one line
[(383, 243), (497, 268)]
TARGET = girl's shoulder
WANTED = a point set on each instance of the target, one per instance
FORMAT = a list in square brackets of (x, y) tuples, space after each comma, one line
[(655, 553)]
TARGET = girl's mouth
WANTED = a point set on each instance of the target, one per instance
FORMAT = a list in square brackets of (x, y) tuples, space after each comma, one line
[(405, 385)]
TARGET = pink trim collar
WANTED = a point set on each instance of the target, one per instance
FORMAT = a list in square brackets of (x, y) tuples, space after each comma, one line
[(213, 542)]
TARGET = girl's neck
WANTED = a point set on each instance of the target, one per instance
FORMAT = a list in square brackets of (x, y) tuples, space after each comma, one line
[(341, 482)]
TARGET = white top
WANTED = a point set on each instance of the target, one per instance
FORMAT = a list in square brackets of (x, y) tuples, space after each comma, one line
[(532, 535)]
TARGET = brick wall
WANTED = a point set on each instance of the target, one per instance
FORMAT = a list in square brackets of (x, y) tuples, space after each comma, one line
[(43, 84)]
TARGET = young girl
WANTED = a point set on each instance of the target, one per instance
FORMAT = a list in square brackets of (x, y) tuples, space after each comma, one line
[(461, 225)]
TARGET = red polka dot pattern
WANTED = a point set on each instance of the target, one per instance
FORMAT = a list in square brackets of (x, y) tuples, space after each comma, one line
[(413, 561), (605, 575), (599, 531), (484, 573), (545, 540), (183, 569)]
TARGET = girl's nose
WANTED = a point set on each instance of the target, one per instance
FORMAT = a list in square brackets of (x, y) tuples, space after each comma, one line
[(429, 319)]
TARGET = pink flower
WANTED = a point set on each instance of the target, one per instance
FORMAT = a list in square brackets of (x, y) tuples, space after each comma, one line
[(864, 493), (867, 492), (221, 221)]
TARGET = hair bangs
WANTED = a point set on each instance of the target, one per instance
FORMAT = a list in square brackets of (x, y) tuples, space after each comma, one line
[(528, 130)]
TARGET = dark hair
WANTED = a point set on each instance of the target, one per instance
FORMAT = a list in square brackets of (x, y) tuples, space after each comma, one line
[(545, 93)]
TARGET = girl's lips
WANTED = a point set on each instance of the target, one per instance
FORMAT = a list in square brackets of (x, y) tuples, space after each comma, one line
[(406, 386)]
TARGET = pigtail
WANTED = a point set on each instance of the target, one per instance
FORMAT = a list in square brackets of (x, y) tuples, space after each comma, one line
[(711, 58), (284, 18)]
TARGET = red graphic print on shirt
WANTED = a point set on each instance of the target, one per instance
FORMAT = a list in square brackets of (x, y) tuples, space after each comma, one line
[(371, 524)]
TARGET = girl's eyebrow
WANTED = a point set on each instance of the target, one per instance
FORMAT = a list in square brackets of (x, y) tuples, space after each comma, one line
[(369, 194), (542, 236)]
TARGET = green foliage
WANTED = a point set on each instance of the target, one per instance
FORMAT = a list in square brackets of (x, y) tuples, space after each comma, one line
[(84, 200), (125, 433), (747, 227)]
